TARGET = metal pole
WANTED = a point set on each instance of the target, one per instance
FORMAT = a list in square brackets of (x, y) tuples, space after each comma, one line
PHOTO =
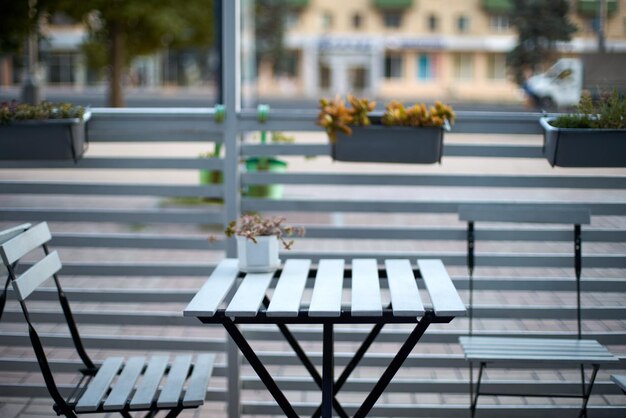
[(602, 10), (31, 90), (230, 68)]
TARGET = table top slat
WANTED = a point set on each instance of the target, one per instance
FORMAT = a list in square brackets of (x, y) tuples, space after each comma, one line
[(405, 297), (366, 298), (214, 290), (443, 295), (326, 298), (288, 293), (249, 296)]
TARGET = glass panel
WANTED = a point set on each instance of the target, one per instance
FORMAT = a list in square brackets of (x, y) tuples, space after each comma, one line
[(496, 67), (393, 66), (463, 66)]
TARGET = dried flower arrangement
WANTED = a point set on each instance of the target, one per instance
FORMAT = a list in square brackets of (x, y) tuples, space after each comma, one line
[(252, 226)]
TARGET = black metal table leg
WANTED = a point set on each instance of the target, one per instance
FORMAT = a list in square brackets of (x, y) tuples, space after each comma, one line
[(306, 362), (394, 366), (258, 367), (354, 361), (327, 372)]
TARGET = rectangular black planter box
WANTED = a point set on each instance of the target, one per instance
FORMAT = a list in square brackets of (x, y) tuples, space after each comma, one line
[(570, 147), (50, 139), (390, 144)]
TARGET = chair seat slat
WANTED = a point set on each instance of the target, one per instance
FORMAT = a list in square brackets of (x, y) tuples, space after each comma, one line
[(366, 298), (493, 349), (214, 290), (528, 341), (125, 383), (36, 275), (12, 250), (172, 389), (288, 293), (199, 380), (147, 388), (620, 381), (326, 298), (444, 296), (97, 388), (405, 297)]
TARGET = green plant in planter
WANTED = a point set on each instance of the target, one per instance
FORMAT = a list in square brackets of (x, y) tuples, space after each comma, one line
[(336, 118), (13, 111), (47, 131), (417, 115), (607, 113), (594, 136), (388, 139)]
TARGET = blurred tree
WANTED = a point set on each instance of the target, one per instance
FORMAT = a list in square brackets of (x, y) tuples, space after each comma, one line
[(540, 25), (21, 22), (18, 19), (269, 28), (123, 29)]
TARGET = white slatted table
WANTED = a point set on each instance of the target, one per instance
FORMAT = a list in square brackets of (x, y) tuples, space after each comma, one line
[(250, 304)]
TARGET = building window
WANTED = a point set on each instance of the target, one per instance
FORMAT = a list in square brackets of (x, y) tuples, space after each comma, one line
[(463, 67), (292, 63), (324, 71), (462, 24), (327, 20), (393, 66), (496, 66), (392, 19), (426, 67), (357, 21), (61, 68), (433, 23), (499, 24)]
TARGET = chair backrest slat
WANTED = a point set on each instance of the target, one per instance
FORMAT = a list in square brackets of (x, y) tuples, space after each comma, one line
[(36, 275), (14, 249), (13, 232), (524, 213)]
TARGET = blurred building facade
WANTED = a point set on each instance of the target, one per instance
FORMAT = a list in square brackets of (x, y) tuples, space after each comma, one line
[(404, 49), (416, 49)]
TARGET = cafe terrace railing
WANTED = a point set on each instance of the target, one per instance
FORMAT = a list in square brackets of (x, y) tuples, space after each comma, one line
[(135, 250)]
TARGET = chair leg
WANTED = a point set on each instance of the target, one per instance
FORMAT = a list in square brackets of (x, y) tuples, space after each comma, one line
[(477, 393), (174, 412)]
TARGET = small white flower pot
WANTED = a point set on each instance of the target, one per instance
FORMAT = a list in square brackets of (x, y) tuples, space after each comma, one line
[(259, 257)]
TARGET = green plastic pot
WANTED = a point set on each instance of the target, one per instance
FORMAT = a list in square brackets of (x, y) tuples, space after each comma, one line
[(209, 177), (265, 191)]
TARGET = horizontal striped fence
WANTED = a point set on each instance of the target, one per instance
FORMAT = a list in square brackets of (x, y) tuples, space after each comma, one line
[(135, 252)]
